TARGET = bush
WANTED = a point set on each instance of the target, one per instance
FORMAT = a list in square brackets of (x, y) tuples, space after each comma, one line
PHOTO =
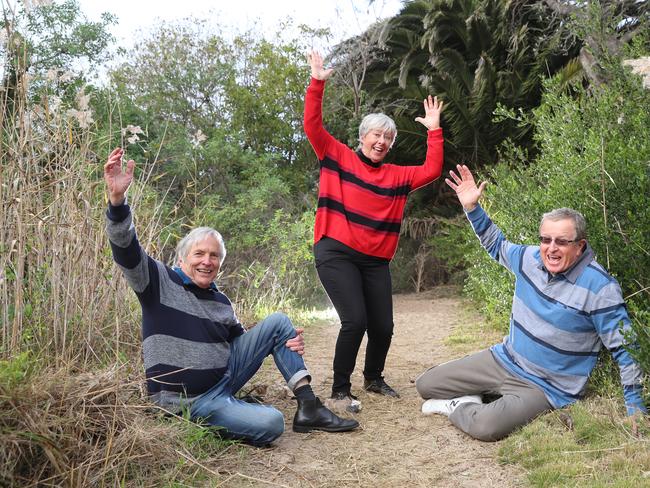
[(594, 151), (269, 261)]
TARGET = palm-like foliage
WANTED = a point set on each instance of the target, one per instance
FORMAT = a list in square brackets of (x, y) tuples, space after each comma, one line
[(475, 54)]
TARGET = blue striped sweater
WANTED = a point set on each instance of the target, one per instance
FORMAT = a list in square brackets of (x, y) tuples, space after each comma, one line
[(559, 323), (186, 330)]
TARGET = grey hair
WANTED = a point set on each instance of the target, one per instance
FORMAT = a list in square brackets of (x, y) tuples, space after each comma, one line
[(377, 121), (197, 235), (579, 222)]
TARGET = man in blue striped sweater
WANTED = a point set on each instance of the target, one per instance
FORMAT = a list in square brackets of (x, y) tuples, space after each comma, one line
[(196, 353), (565, 308)]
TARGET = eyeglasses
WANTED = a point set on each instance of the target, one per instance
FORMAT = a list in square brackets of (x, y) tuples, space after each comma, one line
[(559, 241)]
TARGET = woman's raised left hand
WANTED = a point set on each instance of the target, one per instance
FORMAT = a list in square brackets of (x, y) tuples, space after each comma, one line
[(432, 109)]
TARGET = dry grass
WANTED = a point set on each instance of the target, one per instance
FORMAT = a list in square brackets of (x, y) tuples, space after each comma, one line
[(92, 429), (66, 310), (57, 282)]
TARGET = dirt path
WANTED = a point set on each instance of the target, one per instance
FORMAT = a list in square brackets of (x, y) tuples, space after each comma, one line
[(396, 446)]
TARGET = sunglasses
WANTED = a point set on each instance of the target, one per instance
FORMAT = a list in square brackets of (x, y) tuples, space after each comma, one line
[(559, 241)]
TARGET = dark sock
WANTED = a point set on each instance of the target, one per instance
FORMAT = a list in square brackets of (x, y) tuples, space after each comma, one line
[(304, 393)]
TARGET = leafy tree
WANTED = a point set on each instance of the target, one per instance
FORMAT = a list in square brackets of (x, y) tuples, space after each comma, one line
[(49, 37), (476, 55), (244, 94), (222, 130)]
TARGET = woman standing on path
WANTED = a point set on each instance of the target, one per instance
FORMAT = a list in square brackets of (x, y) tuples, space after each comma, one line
[(361, 203)]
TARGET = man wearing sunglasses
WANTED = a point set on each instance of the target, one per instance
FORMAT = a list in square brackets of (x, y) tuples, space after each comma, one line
[(565, 308)]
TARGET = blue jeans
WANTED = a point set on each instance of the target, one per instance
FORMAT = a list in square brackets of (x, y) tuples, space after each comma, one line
[(254, 423)]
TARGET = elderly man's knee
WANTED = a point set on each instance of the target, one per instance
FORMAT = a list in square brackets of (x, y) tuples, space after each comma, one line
[(426, 383), (486, 433), (281, 324), (280, 318), (270, 427), (481, 422)]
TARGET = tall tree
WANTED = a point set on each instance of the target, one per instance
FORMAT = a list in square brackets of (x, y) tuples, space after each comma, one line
[(476, 55), (244, 96)]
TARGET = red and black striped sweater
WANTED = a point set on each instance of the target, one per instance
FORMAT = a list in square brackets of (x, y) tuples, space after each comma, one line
[(360, 203)]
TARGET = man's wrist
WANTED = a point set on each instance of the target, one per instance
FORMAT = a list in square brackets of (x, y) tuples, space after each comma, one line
[(636, 409), (117, 200), (471, 208)]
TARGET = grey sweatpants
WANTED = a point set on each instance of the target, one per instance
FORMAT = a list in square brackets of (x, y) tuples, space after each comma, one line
[(477, 374)]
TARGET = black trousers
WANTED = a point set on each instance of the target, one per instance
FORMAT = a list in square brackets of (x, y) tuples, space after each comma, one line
[(359, 287)]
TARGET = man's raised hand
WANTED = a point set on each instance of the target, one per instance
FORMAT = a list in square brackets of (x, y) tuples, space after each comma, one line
[(118, 181), (465, 187), (317, 69)]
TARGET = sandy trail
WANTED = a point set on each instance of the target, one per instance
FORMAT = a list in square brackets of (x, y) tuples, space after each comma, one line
[(395, 446)]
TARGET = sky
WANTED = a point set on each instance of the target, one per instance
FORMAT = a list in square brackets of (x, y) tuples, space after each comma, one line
[(344, 18)]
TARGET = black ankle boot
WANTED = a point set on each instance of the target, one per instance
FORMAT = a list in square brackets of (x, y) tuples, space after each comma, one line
[(313, 415)]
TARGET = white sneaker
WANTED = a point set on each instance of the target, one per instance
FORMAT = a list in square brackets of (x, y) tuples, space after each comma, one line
[(445, 407)]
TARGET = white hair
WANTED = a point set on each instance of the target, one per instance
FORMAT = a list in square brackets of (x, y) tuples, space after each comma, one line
[(197, 235), (579, 222), (377, 121)]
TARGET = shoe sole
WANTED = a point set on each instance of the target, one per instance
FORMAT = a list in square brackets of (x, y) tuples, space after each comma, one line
[(396, 395), (343, 406), (302, 429)]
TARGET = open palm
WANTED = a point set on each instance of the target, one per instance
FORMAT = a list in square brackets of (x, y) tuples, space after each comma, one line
[(465, 187), (117, 180), (318, 71), (432, 109)]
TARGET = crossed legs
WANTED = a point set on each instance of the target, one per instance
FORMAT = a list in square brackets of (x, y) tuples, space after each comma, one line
[(257, 424), (480, 373)]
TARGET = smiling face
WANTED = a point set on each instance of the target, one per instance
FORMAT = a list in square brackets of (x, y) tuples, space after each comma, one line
[(202, 262), (375, 144), (558, 259)]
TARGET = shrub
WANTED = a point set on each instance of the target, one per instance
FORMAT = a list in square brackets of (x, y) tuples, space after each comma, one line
[(594, 149)]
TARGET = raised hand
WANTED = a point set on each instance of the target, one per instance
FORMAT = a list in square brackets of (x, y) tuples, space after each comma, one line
[(118, 181), (432, 109), (465, 187), (317, 69)]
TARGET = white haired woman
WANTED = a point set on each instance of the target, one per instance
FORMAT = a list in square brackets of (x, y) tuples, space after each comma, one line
[(361, 203)]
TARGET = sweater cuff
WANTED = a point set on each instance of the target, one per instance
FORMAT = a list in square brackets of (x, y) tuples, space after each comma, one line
[(117, 213), (633, 399), (475, 213), (317, 83)]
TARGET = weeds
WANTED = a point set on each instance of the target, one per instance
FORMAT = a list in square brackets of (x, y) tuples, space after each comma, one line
[(92, 429), (588, 444), (66, 311)]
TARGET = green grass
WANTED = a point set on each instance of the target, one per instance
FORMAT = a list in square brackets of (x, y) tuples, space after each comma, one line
[(589, 444)]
